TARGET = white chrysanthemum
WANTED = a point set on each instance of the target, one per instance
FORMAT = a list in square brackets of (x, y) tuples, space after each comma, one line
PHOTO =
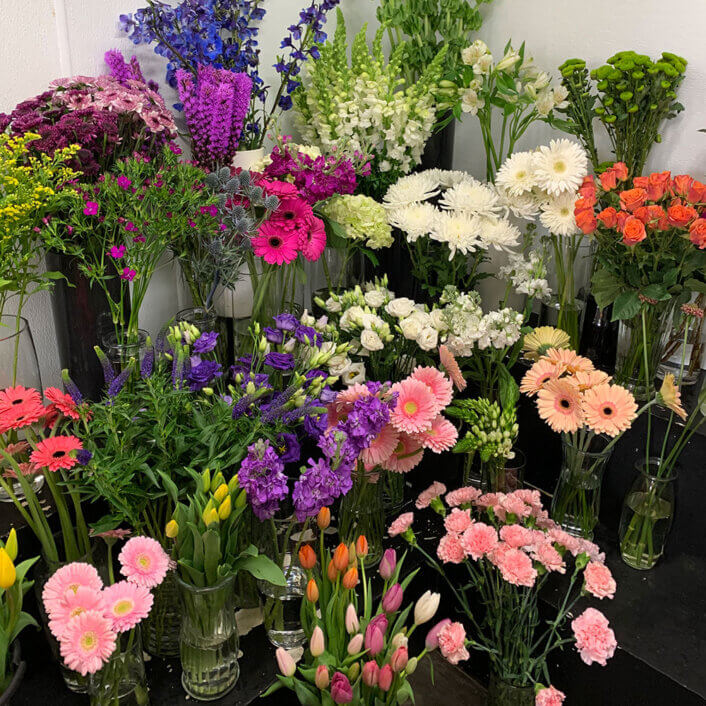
[(459, 231), (499, 234), (449, 177), (516, 175), (560, 167), (557, 215), (525, 206), (414, 220), (410, 189), (473, 198)]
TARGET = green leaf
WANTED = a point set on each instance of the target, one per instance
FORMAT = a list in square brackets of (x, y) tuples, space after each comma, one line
[(605, 287), (306, 694), (170, 486), (508, 389), (656, 291), (626, 306), (261, 567), (695, 285)]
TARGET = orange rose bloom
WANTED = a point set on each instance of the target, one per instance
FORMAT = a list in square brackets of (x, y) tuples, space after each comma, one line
[(633, 231), (588, 189), (681, 185), (697, 193), (658, 218), (632, 199), (657, 185), (585, 220), (609, 180), (621, 170), (608, 217), (697, 233), (680, 216), (620, 218)]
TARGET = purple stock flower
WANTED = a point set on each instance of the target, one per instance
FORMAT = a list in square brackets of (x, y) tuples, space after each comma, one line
[(318, 486), (366, 420), (206, 342), (262, 476), (280, 361)]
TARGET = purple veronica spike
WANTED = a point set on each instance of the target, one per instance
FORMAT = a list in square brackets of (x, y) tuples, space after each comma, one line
[(147, 364), (119, 382), (108, 371), (71, 387)]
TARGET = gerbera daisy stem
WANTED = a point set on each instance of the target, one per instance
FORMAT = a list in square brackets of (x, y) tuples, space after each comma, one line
[(67, 528)]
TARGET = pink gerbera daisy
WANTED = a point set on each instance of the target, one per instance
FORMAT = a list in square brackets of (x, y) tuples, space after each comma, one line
[(21, 415), (67, 579), (416, 406), (126, 604), (609, 409), (315, 241), (440, 385), (275, 245), (381, 447), (448, 361), (12, 397), (73, 603), (56, 452), (559, 404), (63, 402), (538, 376), (570, 360), (88, 642), (293, 215), (440, 437), (143, 561), (406, 456)]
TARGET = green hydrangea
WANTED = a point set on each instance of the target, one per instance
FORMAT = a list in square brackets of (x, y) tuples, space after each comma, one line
[(362, 219)]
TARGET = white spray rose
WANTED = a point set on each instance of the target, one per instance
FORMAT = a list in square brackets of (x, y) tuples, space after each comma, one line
[(400, 307)]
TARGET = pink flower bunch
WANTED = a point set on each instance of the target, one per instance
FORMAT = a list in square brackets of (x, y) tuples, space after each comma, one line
[(416, 422), (86, 617), (549, 696)]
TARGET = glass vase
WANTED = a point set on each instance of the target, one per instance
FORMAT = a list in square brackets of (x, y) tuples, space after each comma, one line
[(361, 512), (640, 353), (208, 639), (120, 352), (160, 629), (577, 497), (646, 518), (393, 492), (247, 594), (564, 314), (504, 693), (18, 357), (121, 681), (502, 475), (203, 319)]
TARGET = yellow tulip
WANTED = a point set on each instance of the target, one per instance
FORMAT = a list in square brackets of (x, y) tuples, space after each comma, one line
[(7, 570), (225, 509), (210, 517), (172, 529), (11, 544), (221, 493)]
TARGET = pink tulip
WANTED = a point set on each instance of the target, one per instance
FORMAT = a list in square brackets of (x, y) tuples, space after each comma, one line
[(392, 600), (285, 662), (399, 659), (352, 623), (374, 640), (370, 673), (341, 691), (321, 679), (355, 645), (317, 644), (388, 564), (385, 677), (432, 639)]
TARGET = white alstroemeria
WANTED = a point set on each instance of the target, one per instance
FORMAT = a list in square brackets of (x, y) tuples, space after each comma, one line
[(470, 55), (471, 102)]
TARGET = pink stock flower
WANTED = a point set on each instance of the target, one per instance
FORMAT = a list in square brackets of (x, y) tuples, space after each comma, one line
[(416, 406), (73, 604), (144, 562), (515, 566), (439, 437), (401, 524), (516, 536), (458, 521), (69, 578), (452, 643), (407, 455), (426, 496), (549, 557), (450, 549), (462, 496), (126, 604), (88, 642), (595, 641), (599, 582), (438, 383), (549, 696), (479, 540)]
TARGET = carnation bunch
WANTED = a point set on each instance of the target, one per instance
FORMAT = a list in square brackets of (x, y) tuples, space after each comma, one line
[(87, 617), (510, 549)]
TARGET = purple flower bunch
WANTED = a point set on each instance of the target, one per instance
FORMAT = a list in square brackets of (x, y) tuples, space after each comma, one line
[(215, 104), (262, 476), (125, 71)]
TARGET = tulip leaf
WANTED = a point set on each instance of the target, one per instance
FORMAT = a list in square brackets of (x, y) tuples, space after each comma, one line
[(261, 567)]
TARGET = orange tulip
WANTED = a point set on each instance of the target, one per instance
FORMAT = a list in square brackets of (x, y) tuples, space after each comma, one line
[(323, 519), (331, 571), (350, 578), (361, 546), (340, 558), (307, 556), (312, 591)]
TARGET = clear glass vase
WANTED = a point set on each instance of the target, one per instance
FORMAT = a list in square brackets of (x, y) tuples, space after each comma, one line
[(577, 497), (160, 629), (361, 512), (203, 319), (565, 314), (208, 640), (120, 352), (503, 475), (504, 693), (646, 518), (637, 362), (121, 681), (247, 594), (18, 357), (393, 492)]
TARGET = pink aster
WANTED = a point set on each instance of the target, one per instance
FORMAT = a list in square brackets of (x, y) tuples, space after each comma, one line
[(126, 604), (440, 385), (67, 579), (381, 447), (407, 455), (516, 536), (598, 580), (426, 496), (479, 540), (72, 605), (549, 696), (450, 549), (595, 641), (458, 521), (88, 642), (401, 524), (462, 496), (440, 436), (515, 566), (144, 562), (452, 643), (416, 406)]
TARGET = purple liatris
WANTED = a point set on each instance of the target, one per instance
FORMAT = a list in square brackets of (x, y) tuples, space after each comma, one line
[(262, 476)]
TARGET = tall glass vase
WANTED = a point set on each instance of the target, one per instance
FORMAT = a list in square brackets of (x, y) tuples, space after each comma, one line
[(504, 693), (120, 352), (393, 492), (502, 475), (208, 640), (646, 518), (18, 357), (577, 497), (361, 512), (641, 346), (160, 629), (121, 681)]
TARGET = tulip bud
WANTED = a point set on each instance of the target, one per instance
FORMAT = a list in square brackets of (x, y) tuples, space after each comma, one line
[(426, 607), (352, 623), (340, 558), (285, 662), (210, 517), (241, 500), (374, 640), (354, 671), (392, 600), (412, 665), (432, 639), (323, 519), (322, 678), (350, 578), (307, 557), (172, 529), (225, 508), (370, 673), (341, 692), (317, 643), (388, 564), (331, 572), (233, 484), (356, 644), (361, 546), (206, 481), (221, 492), (312, 591), (399, 640), (11, 544), (385, 677), (399, 659), (217, 481), (352, 556)]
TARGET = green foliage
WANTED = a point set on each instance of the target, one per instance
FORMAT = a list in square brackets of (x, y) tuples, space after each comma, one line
[(492, 429)]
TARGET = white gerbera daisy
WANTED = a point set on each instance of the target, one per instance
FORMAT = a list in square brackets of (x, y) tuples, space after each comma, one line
[(499, 234), (525, 206), (557, 215), (560, 167), (473, 198), (410, 189), (415, 220), (459, 231), (516, 175)]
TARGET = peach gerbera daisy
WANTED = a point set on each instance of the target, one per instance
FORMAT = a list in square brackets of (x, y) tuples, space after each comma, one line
[(381, 448), (448, 361), (559, 404), (609, 409), (407, 455), (416, 406), (440, 385), (570, 360), (670, 396), (538, 376), (440, 436), (587, 380)]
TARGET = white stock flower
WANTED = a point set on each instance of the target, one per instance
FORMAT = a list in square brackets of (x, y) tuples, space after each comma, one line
[(557, 215), (516, 175), (400, 307), (370, 340), (560, 166)]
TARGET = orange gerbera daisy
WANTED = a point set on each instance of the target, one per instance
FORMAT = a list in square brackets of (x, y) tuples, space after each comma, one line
[(609, 409), (538, 376), (559, 404), (586, 381), (571, 360), (448, 361), (670, 396), (56, 452)]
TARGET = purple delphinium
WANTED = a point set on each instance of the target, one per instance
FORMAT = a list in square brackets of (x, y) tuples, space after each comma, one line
[(262, 476), (203, 374), (206, 342)]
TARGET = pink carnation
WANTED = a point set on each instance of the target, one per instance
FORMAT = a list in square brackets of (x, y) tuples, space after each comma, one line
[(450, 549), (452, 643), (492, 500), (479, 540), (426, 496), (462, 496), (144, 562), (595, 641), (558, 536), (549, 557), (599, 582), (515, 566), (584, 546), (514, 504), (549, 696), (516, 536), (531, 497), (458, 521), (401, 524)]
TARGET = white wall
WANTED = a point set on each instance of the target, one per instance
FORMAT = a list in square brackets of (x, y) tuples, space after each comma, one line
[(44, 39)]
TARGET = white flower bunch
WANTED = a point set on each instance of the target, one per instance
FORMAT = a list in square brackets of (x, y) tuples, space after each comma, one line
[(528, 275)]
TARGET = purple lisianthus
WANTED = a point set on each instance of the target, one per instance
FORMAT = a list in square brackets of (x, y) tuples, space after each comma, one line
[(273, 335), (308, 335), (288, 447), (206, 342), (262, 476), (315, 425), (201, 375), (286, 322), (280, 361)]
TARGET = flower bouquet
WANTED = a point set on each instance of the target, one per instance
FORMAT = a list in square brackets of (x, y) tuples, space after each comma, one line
[(357, 653), (510, 549), (651, 255), (97, 625)]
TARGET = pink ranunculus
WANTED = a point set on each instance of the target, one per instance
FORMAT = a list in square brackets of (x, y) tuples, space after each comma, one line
[(452, 643), (595, 641), (515, 566), (458, 521), (516, 536), (479, 540), (549, 696), (462, 496), (599, 582), (450, 549), (401, 524)]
